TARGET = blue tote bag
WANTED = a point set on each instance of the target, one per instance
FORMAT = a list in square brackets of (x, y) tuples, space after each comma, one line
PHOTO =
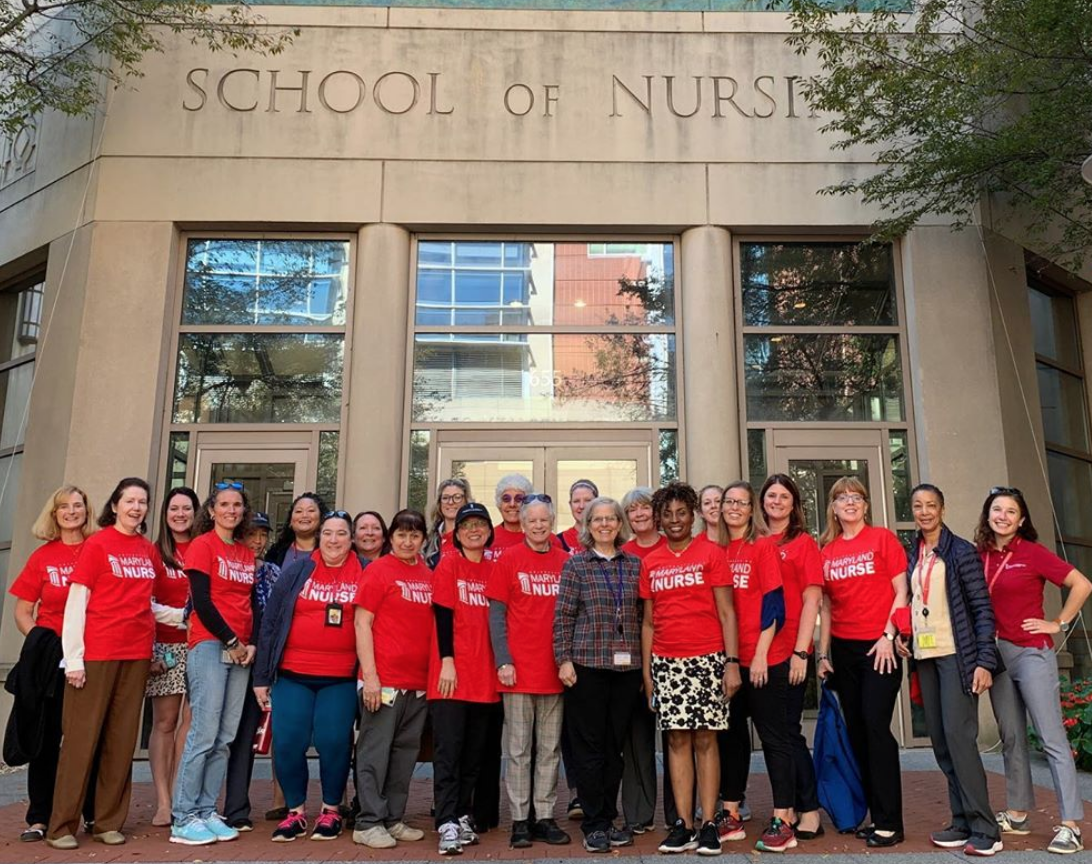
[(841, 792)]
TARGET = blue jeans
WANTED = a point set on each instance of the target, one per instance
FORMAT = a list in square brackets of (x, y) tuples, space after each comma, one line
[(216, 691), (323, 710)]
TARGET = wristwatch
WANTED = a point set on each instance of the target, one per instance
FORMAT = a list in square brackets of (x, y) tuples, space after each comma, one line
[(803, 655), (734, 660), (890, 637), (1062, 625)]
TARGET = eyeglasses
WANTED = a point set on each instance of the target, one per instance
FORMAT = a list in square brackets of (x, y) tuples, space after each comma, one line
[(518, 498), (1007, 490), (337, 514), (453, 499), (850, 499), (734, 504), (234, 484), (605, 520), (538, 496)]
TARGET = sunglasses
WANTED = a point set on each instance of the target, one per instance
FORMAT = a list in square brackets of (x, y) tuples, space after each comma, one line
[(234, 484), (337, 514), (513, 499), (538, 496), (1007, 490)]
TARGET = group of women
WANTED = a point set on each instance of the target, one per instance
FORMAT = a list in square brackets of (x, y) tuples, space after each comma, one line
[(693, 611)]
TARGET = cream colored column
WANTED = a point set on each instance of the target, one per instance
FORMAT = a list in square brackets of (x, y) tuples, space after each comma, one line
[(374, 435), (711, 421)]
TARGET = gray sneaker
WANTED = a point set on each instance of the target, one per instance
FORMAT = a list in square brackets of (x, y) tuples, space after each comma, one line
[(982, 847), (449, 839), (1010, 825), (950, 838), (467, 835), (1066, 841)]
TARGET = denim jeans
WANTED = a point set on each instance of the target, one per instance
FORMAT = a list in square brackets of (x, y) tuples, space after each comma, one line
[(216, 691)]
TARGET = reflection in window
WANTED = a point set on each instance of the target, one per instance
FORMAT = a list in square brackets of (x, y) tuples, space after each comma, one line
[(810, 377), (900, 474), (326, 487), (178, 454), (258, 378), (491, 283), (756, 457), (817, 284), (1054, 325), (669, 456), (285, 282), (418, 498), (544, 377), (1065, 415)]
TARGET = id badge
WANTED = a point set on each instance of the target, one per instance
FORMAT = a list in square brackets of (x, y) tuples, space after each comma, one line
[(623, 658), (926, 639), (387, 696), (333, 614)]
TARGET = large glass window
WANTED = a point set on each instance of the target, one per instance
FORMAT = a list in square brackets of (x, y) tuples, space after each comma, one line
[(536, 331)]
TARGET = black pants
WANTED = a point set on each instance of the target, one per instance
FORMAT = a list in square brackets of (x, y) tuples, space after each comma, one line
[(734, 745), (807, 792), (868, 701), (459, 731), (770, 710), (487, 790), (599, 707), (639, 768), (42, 770), (240, 768), (951, 715)]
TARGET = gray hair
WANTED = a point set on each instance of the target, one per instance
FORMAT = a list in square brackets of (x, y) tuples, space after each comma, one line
[(639, 495), (537, 502), (585, 535), (512, 481)]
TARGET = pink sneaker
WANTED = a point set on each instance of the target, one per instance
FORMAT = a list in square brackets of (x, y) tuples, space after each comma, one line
[(295, 825), (729, 827), (327, 826), (777, 837)]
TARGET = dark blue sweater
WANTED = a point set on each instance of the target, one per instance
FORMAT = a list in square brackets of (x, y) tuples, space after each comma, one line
[(968, 604)]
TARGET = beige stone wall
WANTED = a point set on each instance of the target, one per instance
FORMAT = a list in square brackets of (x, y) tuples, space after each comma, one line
[(504, 121)]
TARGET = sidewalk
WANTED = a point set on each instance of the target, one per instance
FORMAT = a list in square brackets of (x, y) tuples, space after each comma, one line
[(925, 807)]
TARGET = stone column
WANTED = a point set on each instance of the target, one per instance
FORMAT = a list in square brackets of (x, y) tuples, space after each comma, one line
[(711, 421), (374, 436)]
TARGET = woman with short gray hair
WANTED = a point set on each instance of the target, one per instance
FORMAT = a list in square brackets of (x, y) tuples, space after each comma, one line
[(597, 645), (512, 490), (522, 593)]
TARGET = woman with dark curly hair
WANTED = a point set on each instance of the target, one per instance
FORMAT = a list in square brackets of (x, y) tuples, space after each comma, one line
[(221, 648), (688, 651)]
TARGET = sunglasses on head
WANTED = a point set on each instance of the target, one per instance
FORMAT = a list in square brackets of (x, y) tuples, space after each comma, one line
[(1007, 490), (234, 484), (538, 496), (337, 514)]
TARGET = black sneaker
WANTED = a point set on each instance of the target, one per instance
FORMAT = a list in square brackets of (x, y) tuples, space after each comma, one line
[(597, 841), (576, 809), (550, 832), (708, 839), (241, 825), (680, 839), (950, 838), (521, 835), (621, 836)]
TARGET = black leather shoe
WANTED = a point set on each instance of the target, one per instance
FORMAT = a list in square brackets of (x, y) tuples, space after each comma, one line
[(864, 832), (801, 834), (549, 831), (878, 841), (521, 835)]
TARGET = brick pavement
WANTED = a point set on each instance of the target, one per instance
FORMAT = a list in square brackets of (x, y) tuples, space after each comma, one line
[(925, 797)]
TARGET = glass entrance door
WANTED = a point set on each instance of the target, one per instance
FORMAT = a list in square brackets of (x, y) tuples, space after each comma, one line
[(614, 466), (271, 477), (816, 460)]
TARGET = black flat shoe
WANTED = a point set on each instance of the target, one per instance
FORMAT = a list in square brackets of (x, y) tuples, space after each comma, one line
[(878, 841), (864, 832), (801, 834), (32, 835)]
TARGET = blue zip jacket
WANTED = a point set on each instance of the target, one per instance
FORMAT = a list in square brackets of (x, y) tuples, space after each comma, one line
[(968, 604)]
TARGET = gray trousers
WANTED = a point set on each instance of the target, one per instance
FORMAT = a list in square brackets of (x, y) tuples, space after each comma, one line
[(532, 721), (639, 766), (386, 753), (1029, 687), (951, 716)]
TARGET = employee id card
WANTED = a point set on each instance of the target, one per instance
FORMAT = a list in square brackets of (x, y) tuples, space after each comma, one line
[(333, 614), (926, 638), (623, 658)]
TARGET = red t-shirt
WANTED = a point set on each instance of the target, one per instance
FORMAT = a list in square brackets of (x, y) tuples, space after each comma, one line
[(528, 582), (120, 570), (322, 636), (680, 585), (642, 552), (801, 568), (399, 595), (172, 588), (571, 538), (858, 575), (230, 568), (1016, 576), (459, 585), (504, 539), (44, 581), (756, 571)]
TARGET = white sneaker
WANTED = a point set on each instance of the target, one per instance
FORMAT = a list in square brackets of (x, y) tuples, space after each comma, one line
[(1066, 841), (376, 837), (449, 839), (402, 831), (467, 835)]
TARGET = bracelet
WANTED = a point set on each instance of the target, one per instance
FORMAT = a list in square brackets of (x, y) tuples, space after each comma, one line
[(731, 660), (233, 644), (821, 657)]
